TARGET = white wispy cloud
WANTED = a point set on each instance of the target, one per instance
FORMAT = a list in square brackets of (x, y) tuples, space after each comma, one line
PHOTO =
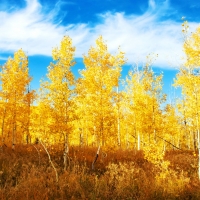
[(35, 31), (29, 29)]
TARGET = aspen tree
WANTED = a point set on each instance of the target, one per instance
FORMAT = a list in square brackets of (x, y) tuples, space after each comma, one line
[(15, 80), (189, 81), (125, 115), (84, 117), (118, 114), (153, 89), (135, 97), (144, 91), (99, 79), (59, 91), (4, 115), (29, 98)]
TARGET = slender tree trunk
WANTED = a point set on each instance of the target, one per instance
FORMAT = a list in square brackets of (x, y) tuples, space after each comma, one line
[(66, 151), (127, 138), (81, 137), (118, 119), (102, 132), (14, 124), (14, 130), (189, 137), (86, 134), (185, 121), (14, 136), (198, 135), (94, 136), (154, 124), (198, 142), (164, 146), (118, 132), (28, 122), (194, 141)]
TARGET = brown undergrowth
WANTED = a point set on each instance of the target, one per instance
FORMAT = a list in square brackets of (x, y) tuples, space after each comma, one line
[(122, 174)]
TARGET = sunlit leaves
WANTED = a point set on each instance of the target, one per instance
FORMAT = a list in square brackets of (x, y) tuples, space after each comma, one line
[(192, 49), (144, 98), (57, 92), (189, 81), (97, 88), (16, 98)]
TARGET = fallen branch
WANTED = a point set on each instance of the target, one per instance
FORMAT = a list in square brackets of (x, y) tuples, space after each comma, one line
[(50, 161), (163, 140), (95, 159), (169, 142)]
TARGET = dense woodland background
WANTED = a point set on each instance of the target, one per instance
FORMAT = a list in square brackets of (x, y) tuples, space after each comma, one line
[(93, 111)]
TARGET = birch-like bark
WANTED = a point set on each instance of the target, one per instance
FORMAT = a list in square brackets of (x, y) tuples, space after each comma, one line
[(66, 151), (118, 119)]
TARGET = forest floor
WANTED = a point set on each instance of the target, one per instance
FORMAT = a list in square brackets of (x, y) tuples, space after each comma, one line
[(26, 173)]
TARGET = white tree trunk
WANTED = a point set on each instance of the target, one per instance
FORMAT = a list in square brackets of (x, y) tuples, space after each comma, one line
[(66, 151)]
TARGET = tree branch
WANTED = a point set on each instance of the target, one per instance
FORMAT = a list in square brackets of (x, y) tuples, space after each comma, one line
[(50, 161), (95, 159)]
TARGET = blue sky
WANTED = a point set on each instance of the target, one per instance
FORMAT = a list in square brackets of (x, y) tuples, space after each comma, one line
[(139, 27)]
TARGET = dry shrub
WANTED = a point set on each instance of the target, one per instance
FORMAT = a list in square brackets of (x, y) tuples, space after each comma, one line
[(183, 161), (122, 179), (123, 174)]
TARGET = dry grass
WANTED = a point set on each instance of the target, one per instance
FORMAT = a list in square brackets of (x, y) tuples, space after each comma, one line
[(27, 174)]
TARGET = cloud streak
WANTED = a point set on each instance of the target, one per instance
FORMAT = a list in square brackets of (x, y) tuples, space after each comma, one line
[(35, 31), (28, 29)]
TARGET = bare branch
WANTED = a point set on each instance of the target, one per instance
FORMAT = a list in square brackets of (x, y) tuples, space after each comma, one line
[(95, 159), (50, 161)]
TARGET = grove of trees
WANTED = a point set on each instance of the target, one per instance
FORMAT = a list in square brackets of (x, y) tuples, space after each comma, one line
[(93, 109)]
